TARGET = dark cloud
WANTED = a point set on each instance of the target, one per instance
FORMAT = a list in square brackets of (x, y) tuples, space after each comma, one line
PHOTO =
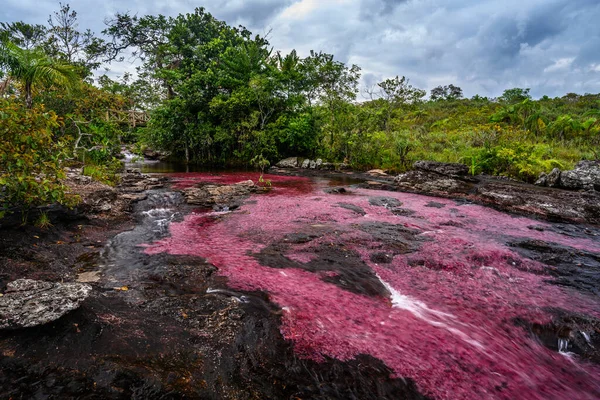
[(484, 46)]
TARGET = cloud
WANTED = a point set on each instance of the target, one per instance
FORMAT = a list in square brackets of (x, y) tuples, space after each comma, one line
[(483, 46)]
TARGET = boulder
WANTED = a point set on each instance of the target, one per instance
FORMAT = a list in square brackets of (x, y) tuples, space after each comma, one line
[(553, 178), (586, 175), (290, 162), (542, 180), (312, 164), (318, 163), (430, 182), (305, 163), (27, 302), (226, 196), (449, 169)]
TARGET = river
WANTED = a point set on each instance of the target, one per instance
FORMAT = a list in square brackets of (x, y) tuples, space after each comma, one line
[(455, 297)]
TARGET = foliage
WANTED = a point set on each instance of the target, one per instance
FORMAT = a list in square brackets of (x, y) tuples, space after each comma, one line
[(32, 67), (449, 92), (30, 160)]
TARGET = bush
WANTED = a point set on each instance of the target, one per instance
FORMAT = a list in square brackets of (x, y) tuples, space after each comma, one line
[(30, 160)]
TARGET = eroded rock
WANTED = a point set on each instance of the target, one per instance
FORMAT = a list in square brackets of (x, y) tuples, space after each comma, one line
[(586, 175), (290, 162), (214, 195), (27, 302)]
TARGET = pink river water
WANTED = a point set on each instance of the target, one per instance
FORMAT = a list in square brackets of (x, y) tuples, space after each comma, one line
[(447, 323)]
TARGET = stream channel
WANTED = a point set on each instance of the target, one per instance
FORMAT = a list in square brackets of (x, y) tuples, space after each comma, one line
[(313, 291)]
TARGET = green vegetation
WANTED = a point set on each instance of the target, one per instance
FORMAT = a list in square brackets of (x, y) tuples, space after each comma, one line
[(219, 95)]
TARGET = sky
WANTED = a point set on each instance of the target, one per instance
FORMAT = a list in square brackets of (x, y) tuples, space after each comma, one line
[(483, 46)]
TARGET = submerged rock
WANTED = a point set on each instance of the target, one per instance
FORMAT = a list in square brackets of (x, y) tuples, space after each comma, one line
[(28, 302)]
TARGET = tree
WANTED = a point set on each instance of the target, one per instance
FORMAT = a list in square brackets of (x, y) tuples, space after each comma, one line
[(32, 67), (68, 44), (449, 92), (395, 93), (24, 35), (515, 95)]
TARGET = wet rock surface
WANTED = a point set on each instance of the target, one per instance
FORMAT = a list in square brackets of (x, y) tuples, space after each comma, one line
[(568, 333), (340, 266), (293, 296), (352, 207), (27, 302), (549, 203), (566, 265), (164, 326)]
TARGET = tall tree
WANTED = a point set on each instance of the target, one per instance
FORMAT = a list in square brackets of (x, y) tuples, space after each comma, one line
[(67, 43), (448, 92)]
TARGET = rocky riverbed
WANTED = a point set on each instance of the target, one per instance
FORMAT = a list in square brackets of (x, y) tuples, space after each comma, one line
[(341, 285)]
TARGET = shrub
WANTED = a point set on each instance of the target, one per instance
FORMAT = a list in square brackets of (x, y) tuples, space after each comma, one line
[(30, 160)]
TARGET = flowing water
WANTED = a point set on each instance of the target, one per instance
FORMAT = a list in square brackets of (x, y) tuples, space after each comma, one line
[(436, 289)]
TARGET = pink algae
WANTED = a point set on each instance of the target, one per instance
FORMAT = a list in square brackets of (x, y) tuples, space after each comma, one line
[(447, 323)]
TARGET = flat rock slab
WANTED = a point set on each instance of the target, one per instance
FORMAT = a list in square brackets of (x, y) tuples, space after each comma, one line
[(225, 195), (27, 302)]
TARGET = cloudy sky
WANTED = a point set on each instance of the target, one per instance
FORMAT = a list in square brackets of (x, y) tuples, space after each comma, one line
[(483, 46)]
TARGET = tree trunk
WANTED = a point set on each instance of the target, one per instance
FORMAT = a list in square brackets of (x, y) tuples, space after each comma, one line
[(28, 96)]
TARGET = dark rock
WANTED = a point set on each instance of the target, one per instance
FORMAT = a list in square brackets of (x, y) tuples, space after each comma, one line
[(449, 169), (343, 167), (396, 237), (337, 190), (382, 258), (352, 207), (387, 202), (327, 166), (435, 204), (567, 266), (567, 332), (299, 238), (348, 270), (28, 302), (404, 212)]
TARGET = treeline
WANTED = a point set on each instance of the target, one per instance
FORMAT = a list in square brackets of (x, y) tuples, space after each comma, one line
[(227, 98), (220, 95)]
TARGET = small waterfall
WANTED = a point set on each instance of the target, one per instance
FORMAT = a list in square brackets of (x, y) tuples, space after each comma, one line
[(563, 345), (422, 311), (587, 338)]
